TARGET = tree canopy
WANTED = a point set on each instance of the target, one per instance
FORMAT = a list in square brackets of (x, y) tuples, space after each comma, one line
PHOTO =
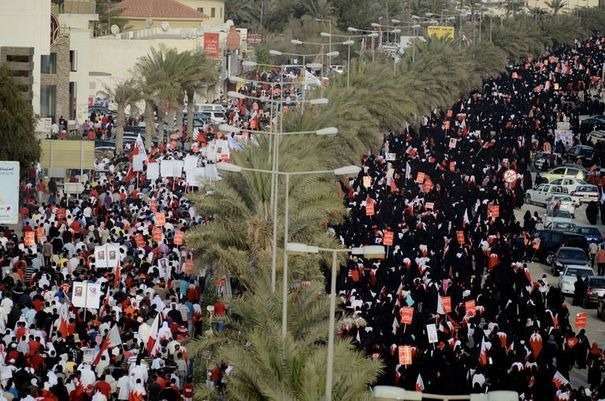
[(17, 139)]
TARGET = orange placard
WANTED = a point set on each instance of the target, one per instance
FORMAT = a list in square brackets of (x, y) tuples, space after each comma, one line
[(370, 207), (470, 307), (407, 314), (460, 237), (429, 205), (153, 205), (61, 213), (446, 302), (387, 240), (29, 238), (405, 355), (179, 236), (581, 320), (420, 177), (139, 240), (427, 186), (211, 44), (160, 219), (40, 234), (157, 234), (494, 211)]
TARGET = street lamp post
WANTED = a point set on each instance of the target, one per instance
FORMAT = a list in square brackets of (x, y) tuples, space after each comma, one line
[(376, 251), (274, 168), (349, 42)]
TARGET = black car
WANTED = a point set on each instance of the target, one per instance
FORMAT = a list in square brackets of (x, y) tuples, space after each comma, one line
[(591, 233), (568, 256), (552, 240), (601, 308), (592, 123)]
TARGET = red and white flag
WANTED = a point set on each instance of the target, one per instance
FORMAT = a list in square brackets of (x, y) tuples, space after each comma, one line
[(559, 380), (114, 336), (152, 343), (139, 154), (485, 347), (64, 326), (419, 384)]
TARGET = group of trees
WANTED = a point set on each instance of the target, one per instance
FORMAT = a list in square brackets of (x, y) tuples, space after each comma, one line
[(237, 241), (164, 79)]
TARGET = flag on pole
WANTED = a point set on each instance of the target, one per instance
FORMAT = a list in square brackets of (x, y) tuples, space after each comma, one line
[(64, 327), (114, 336), (152, 340), (419, 384), (117, 274), (139, 154), (559, 380)]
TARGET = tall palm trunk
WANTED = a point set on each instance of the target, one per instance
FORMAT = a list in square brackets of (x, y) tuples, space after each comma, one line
[(149, 124), (190, 111), (121, 119)]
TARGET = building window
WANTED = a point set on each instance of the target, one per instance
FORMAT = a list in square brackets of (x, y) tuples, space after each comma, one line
[(73, 60), (212, 12), (48, 64), (48, 100), (73, 89), (201, 10), (20, 73), (17, 59)]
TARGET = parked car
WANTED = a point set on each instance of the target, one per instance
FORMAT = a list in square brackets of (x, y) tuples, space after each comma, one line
[(552, 240), (561, 202), (552, 217), (601, 308), (585, 193), (583, 152), (565, 172), (596, 136), (594, 291), (571, 184), (564, 226), (539, 194), (568, 256), (592, 123), (570, 276), (591, 233)]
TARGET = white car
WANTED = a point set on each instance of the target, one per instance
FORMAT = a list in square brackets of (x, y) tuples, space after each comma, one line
[(565, 172), (570, 276), (585, 194), (571, 184), (563, 202), (542, 192)]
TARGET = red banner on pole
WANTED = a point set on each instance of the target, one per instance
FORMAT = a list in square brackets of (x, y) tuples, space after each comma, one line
[(211, 45)]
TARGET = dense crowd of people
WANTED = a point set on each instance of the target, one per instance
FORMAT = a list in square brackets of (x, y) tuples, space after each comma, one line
[(453, 308)]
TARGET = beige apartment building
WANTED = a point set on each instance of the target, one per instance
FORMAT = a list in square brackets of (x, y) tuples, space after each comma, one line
[(166, 14)]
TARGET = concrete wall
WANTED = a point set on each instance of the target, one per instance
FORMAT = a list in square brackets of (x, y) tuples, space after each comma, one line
[(26, 23), (61, 78), (80, 36)]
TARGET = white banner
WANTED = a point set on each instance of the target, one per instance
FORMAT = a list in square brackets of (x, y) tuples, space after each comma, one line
[(171, 168), (107, 255), (86, 295), (9, 195), (153, 171), (431, 333)]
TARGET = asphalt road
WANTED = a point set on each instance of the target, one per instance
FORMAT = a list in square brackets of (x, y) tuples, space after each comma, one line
[(595, 329)]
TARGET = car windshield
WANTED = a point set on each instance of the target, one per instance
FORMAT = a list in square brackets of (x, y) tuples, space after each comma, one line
[(597, 282), (573, 254), (581, 272)]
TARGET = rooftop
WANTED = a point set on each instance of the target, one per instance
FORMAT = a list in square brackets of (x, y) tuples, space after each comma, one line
[(157, 9)]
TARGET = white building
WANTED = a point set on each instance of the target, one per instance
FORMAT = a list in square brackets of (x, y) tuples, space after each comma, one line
[(27, 24)]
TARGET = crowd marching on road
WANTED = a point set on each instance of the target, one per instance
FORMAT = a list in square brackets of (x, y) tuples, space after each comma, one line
[(453, 307), (100, 295)]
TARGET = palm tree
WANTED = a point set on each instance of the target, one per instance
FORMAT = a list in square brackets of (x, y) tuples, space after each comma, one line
[(124, 93), (238, 239), (162, 71), (274, 368), (556, 5), (198, 72)]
